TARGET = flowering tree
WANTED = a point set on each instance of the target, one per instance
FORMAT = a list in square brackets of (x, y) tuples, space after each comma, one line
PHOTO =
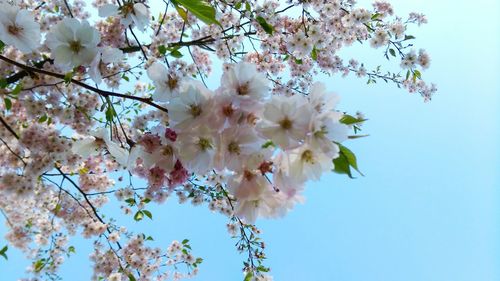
[(96, 97)]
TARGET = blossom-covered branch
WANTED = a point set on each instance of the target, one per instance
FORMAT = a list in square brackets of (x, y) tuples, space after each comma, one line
[(95, 94)]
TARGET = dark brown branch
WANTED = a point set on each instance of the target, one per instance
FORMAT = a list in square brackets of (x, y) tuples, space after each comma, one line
[(103, 93)]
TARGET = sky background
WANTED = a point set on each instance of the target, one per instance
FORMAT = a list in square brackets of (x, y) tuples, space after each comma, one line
[(428, 206)]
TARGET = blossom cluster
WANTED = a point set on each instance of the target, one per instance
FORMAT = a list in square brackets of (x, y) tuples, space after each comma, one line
[(243, 132)]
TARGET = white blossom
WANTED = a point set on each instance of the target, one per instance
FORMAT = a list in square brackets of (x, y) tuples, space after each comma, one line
[(167, 85), (191, 107), (198, 149), (286, 121), (130, 12), (245, 84), (73, 43), (105, 55), (18, 28)]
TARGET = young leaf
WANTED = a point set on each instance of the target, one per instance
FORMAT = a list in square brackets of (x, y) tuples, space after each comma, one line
[(176, 54), (8, 103), (3, 83), (68, 76), (392, 52), (39, 265), (341, 166), (43, 118), (248, 276), (138, 216), (200, 8), (148, 214), (269, 29), (351, 158), (17, 89), (162, 49), (314, 54), (3, 252), (350, 120), (346, 160), (268, 144)]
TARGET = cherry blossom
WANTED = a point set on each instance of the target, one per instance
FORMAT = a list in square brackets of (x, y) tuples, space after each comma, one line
[(73, 43), (18, 28), (214, 103), (167, 85), (286, 120), (130, 12)]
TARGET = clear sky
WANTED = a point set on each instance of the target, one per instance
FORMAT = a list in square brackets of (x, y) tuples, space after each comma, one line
[(428, 206)]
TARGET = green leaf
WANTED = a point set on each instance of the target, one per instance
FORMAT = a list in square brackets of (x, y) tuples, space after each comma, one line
[(407, 74), (3, 83), (3, 252), (162, 49), (176, 54), (314, 54), (346, 160), (376, 16), (8, 103), (416, 74), (110, 113), (351, 158), (182, 12), (185, 241), (262, 268), (57, 208), (268, 144), (269, 29), (392, 52), (131, 277), (39, 265), (68, 76), (2, 45), (248, 276), (138, 216), (17, 89), (43, 118), (341, 165), (409, 37), (148, 214), (201, 9), (350, 120)]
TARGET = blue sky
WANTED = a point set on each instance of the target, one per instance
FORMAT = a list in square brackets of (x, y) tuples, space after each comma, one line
[(428, 206)]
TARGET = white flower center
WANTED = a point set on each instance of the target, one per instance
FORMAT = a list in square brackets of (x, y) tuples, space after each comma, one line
[(75, 46), (307, 156), (14, 29), (242, 89), (233, 147), (204, 144), (195, 110), (286, 124), (171, 82)]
